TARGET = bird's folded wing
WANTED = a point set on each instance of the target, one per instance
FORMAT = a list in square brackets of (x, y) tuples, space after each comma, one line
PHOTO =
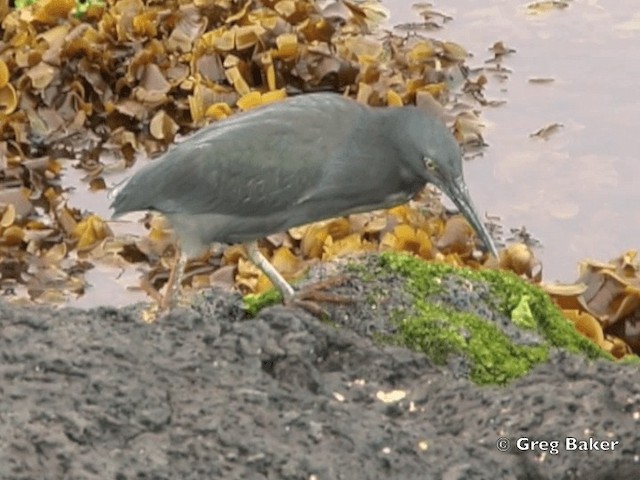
[(249, 165)]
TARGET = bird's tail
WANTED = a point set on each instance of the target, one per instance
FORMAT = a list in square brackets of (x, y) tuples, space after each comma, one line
[(113, 194), (115, 190)]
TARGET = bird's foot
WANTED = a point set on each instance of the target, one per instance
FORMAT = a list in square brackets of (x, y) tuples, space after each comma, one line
[(161, 302), (310, 297)]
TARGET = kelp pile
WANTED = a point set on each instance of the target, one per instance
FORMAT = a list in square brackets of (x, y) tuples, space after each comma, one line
[(604, 303), (125, 78)]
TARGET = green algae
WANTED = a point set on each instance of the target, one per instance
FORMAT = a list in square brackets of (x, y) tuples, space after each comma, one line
[(81, 8), (255, 302), (441, 331), (522, 315)]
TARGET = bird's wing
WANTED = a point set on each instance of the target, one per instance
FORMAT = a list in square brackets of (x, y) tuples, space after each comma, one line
[(250, 165)]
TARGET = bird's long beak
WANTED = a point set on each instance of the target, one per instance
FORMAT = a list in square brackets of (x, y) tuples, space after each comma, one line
[(459, 194)]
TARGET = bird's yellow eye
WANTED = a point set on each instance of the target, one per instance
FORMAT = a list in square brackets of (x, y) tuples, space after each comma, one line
[(431, 165)]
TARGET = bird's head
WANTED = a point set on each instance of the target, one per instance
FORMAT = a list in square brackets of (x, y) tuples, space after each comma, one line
[(440, 155)]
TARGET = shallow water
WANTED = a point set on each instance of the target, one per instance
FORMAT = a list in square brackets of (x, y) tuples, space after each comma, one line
[(576, 191)]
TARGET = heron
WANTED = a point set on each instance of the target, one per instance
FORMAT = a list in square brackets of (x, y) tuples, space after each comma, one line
[(304, 159)]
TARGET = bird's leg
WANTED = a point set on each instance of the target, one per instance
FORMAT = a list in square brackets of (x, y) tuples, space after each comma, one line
[(175, 281), (307, 298), (269, 270)]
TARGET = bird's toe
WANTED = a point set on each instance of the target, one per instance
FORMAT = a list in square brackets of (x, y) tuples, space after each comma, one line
[(310, 297)]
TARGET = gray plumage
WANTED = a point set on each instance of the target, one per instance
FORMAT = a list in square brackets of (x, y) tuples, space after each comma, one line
[(304, 159)]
